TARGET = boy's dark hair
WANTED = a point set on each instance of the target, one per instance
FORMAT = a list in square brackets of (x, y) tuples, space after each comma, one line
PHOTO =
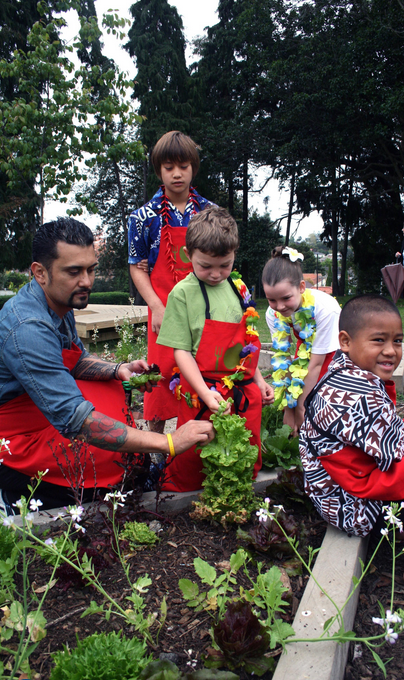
[(175, 147), (357, 308), (280, 267), (65, 229), (213, 231)]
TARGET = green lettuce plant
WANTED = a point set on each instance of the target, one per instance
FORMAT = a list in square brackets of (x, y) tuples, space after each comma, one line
[(101, 657), (228, 462), (138, 535)]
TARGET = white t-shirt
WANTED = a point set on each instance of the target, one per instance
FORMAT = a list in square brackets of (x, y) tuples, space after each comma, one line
[(326, 315)]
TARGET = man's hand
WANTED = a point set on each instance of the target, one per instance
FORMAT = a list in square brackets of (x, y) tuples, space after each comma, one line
[(140, 366), (193, 432)]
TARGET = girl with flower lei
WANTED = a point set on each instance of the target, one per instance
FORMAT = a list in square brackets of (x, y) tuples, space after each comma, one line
[(312, 316)]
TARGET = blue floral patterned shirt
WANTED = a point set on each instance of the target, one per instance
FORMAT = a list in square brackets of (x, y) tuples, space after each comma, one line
[(144, 225)]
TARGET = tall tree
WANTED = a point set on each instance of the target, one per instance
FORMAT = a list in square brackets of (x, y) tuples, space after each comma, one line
[(161, 85)]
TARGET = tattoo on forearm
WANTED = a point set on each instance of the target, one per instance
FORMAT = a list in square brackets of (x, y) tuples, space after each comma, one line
[(102, 431), (92, 368)]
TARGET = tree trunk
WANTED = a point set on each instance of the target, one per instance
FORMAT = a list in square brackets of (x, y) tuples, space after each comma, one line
[(231, 196), (133, 292), (334, 235), (345, 244), (290, 210), (245, 194)]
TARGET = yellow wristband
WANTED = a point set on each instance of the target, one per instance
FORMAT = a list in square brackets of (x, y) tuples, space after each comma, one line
[(171, 445)]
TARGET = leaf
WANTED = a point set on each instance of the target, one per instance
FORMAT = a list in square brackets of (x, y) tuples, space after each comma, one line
[(379, 662), (189, 589), (206, 573), (47, 586), (237, 560), (94, 608)]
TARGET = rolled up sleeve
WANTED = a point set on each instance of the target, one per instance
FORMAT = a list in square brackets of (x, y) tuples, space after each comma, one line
[(43, 376)]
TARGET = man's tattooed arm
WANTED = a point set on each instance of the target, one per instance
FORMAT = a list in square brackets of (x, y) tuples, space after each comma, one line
[(93, 368), (104, 432)]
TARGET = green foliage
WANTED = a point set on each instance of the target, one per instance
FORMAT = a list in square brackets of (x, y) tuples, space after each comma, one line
[(138, 535), (278, 448), (101, 656), (113, 297), (166, 670), (132, 343), (60, 546), (264, 593), (228, 462)]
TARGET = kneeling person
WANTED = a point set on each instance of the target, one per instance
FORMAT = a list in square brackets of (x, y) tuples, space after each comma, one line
[(352, 440), (52, 390)]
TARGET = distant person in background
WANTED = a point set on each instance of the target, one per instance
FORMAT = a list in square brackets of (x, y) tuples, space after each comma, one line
[(157, 258), (53, 391)]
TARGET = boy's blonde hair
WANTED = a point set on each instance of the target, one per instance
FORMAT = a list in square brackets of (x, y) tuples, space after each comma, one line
[(213, 231), (175, 147)]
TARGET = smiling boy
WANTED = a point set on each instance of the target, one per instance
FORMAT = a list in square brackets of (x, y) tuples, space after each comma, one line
[(205, 323), (352, 440), (156, 233)]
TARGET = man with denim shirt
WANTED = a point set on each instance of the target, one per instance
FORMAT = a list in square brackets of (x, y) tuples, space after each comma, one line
[(52, 390)]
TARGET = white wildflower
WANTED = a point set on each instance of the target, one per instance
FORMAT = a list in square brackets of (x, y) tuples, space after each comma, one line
[(19, 504), (391, 617), (384, 532), (391, 636), (29, 517), (79, 527), (34, 504), (379, 622), (8, 521), (262, 515), (76, 513), (49, 541)]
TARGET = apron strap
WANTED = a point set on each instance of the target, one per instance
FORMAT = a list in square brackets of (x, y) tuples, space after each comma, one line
[(238, 394), (206, 299)]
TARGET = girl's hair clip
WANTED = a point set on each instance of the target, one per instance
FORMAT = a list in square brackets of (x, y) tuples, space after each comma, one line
[(292, 254)]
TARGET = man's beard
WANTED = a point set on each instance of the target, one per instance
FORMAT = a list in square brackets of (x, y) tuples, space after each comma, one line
[(80, 304)]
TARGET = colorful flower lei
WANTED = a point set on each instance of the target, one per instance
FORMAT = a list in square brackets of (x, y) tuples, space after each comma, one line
[(288, 376)]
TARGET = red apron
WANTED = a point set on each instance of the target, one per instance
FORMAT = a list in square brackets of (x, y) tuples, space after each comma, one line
[(172, 265), (30, 433), (218, 354)]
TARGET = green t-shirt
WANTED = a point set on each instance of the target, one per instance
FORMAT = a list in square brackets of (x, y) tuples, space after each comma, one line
[(184, 317)]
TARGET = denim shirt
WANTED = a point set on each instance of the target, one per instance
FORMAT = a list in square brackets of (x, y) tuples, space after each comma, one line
[(32, 337)]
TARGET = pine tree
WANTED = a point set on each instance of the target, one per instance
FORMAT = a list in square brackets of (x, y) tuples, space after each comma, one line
[(157, 44)]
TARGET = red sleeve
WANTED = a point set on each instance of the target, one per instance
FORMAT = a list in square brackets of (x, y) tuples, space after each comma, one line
[(357, 473), (390, 387)]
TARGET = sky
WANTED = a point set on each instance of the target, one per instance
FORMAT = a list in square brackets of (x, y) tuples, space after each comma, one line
[(195, 16)]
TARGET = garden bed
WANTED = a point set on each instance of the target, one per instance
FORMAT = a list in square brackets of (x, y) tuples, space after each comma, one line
[(185, 633)]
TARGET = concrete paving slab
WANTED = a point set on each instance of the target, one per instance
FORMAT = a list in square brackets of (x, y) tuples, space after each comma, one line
[(336, 564)]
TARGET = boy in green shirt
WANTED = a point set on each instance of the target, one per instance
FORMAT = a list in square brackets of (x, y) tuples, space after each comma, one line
[(216, 345)]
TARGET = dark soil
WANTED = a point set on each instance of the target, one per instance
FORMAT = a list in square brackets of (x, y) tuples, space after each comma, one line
[(186, 632), (376, 588)]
